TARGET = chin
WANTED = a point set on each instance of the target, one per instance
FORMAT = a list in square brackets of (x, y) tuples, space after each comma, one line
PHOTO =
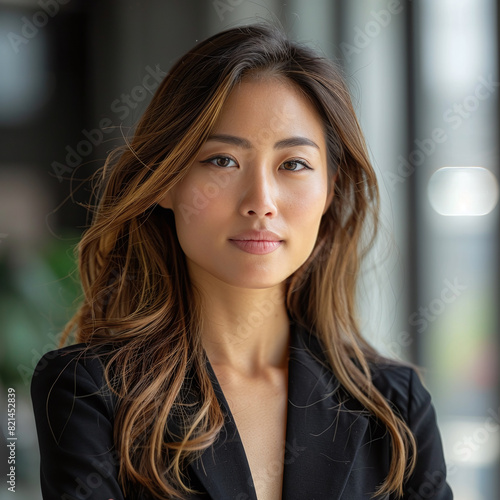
[(264, 277), (254, 282)]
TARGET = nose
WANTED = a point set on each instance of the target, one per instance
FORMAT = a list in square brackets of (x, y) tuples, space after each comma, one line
[(259, 195)]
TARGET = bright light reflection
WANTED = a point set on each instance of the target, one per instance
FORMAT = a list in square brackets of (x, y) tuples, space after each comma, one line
[(459, 191)]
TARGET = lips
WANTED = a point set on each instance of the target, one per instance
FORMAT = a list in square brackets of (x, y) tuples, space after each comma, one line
[(257, 242)]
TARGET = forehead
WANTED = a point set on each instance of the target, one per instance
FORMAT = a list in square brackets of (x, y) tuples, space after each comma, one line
[(269, 105)]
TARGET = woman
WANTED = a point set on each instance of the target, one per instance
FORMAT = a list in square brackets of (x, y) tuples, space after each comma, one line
[(218, 354)]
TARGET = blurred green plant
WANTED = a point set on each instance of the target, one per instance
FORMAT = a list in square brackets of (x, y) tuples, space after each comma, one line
[(39, 293)]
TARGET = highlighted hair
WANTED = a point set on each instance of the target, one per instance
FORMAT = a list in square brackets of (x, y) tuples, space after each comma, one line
[(137, 294)]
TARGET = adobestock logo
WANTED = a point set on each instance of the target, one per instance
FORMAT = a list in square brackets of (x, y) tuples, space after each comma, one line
[(465, 449), (122, 107), (27, 372), (201, 197), (262, 310), (424, 316), (84, 487), (273, 470), (434, 481), (455, 116), (31, 27), (223, 6), (437, 306), (363, 36)]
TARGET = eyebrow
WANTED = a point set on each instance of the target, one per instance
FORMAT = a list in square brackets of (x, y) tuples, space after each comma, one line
[(244, 143)]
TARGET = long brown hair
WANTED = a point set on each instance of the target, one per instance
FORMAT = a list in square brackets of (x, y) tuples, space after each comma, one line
[(137, 293)]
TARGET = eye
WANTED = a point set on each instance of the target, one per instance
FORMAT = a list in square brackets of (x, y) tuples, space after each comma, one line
[(295, 165), (220, 161)]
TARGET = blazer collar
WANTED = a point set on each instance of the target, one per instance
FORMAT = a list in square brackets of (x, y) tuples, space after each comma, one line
[(322, 435)]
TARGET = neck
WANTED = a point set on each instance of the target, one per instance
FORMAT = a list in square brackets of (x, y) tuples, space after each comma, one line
[(244, 329)]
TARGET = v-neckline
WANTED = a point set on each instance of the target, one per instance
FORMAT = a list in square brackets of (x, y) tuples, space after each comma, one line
[(230, 422), (322, 436)]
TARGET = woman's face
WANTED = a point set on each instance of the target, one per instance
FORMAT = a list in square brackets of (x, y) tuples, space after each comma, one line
[(248, 211)]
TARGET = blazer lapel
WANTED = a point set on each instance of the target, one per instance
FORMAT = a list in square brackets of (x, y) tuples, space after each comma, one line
[(223, 469), (322, 436)]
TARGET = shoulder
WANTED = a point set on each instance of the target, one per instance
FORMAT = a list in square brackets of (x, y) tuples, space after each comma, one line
[(71, 362), (402, 386), (74, 416), (398, 383), (68, 378), (67, 358)]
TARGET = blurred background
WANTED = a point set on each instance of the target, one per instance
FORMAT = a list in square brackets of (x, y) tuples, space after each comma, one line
[(76, 75)]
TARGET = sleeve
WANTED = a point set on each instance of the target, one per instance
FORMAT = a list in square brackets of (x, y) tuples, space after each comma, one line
[(74, 421), (428, 479)]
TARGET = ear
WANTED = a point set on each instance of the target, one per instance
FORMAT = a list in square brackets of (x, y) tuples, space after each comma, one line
[(331, 192), (166, 200)]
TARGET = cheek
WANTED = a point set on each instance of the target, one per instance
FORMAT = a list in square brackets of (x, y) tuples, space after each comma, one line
[(307, 205), (199, 205), (192, 194), (305, 218)]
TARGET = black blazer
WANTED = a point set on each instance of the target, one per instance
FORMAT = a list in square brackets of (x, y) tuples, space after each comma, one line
[(334, 449)]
